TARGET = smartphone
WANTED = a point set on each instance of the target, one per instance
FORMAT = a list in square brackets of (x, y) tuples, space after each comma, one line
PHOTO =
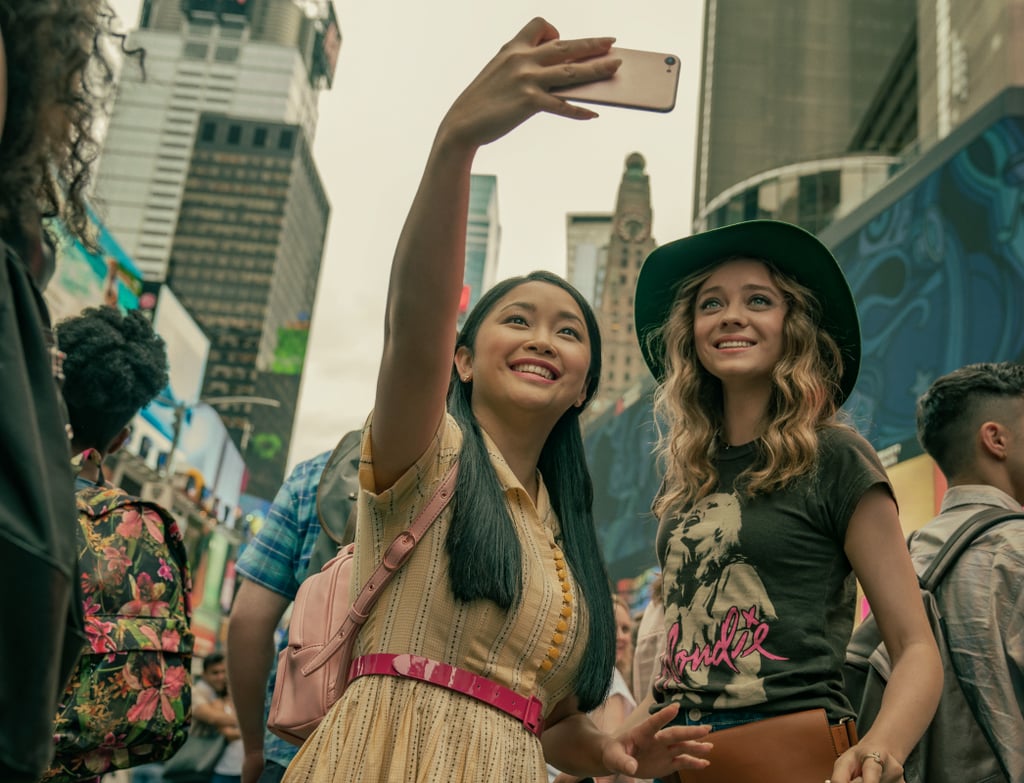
[(645, 80)]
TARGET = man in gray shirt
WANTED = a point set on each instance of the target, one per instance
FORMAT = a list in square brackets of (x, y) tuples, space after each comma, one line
[(971, 422)]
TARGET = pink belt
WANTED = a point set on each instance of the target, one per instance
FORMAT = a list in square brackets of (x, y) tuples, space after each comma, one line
[(527, 711)]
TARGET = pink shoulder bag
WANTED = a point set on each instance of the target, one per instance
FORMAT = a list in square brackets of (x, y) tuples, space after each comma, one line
[(312, 671)]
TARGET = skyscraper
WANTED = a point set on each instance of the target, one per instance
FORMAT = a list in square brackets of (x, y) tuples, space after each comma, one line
[(587, 235), (245, 262), (207, 180), (629, 243), (784, 85), (254, 59), (483, 235)]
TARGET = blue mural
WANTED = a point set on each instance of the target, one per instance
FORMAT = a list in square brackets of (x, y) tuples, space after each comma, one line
[(937, 277)]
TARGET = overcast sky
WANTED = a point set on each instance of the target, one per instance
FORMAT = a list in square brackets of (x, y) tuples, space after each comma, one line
[(401, 65)]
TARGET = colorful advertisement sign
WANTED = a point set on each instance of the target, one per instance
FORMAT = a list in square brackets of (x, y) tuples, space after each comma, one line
[(87, 279)]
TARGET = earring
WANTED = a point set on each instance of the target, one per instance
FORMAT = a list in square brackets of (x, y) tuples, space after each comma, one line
[(466, 378)]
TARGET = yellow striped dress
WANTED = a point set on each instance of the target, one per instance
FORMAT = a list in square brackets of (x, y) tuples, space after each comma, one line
[(399, 730)]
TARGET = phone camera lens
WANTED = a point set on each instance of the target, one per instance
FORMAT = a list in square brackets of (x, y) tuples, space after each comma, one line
[(670, 61)]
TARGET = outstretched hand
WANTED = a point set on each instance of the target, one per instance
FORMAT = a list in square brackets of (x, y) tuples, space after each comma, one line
[(649, 750), (515, 84)]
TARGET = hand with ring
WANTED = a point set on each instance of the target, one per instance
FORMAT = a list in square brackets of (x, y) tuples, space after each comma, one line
[(858, 765)]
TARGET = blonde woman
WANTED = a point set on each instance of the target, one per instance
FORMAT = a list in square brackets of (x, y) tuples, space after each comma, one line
[(770, 505)]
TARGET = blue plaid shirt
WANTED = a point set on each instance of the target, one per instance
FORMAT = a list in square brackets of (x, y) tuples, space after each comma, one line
[(277, 559)]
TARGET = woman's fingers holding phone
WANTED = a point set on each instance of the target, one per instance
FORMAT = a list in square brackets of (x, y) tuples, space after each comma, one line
[(515, 84), (537, 31)]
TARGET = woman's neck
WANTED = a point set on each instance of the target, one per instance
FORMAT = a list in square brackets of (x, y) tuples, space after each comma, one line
[(520, 447), (743, 414)]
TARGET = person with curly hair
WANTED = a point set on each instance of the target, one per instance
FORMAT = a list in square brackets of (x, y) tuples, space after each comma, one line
[(116, 365), (770, 505), (58, 80), (52, 79)]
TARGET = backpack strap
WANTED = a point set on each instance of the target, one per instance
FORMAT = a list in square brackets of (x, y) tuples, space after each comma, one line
[(961, 540)]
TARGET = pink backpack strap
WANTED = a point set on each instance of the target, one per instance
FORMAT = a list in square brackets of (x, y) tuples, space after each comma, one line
[(394, 558)]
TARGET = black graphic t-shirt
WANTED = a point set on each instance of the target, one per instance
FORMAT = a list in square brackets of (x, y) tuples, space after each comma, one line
[(759, 596)]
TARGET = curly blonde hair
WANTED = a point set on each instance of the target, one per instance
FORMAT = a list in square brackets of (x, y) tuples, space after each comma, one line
[(689, 409), (58, 82)]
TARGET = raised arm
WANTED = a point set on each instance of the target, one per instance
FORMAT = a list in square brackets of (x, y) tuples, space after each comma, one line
[(427, 272)]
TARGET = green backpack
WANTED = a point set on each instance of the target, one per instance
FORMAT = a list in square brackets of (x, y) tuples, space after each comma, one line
[(129, 701)]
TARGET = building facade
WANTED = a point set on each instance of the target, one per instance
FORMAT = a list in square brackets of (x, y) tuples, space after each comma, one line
[(245, 261), (258, 59), (587, 236), (628, 245), (784, 83), (483, 237), (207, 180)]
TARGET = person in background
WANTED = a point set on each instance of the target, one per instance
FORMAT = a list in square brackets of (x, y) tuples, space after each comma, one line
[(116, 365), (769, 504), (971, 422), (272, 567), (620, 702), (506, 591), (623, 640), (611, 714), (53, 78), (213, 712), (650, 641)]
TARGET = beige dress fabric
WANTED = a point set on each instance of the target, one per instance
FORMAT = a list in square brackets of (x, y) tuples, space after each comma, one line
[(397, 730)]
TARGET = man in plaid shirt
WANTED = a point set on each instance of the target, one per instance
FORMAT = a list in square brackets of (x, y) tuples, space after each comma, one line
[(272, 566)]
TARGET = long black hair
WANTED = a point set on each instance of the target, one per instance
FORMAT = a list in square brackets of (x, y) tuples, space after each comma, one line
[(485, 555)]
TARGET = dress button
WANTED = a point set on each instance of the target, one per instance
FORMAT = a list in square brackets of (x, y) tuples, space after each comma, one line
[(694, 714)]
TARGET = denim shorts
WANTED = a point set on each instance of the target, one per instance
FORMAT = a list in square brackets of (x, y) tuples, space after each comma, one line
[(716, 719)]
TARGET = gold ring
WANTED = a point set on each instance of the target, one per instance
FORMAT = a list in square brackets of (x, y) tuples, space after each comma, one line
[(876, 756)]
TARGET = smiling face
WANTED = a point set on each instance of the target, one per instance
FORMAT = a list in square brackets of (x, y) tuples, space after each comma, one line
[(738, 322), (532, 350)]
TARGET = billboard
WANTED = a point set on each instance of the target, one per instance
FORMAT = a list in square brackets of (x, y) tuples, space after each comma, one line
[(203, 445), (290, 353), (86, 279), (187, 350)]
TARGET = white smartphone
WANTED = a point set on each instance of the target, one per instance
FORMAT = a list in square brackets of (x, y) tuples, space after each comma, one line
[(645, 80)]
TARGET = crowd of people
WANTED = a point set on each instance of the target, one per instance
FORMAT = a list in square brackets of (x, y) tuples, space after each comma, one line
[(498, 650)]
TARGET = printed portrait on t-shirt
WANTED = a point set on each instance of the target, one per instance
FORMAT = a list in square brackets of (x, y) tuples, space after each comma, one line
[(717, 612)]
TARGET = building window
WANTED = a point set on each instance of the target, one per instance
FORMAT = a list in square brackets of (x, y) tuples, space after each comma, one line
[(259, 137), (286, 140), (196, 51), (234, 134), (209, 131), (226, 54)]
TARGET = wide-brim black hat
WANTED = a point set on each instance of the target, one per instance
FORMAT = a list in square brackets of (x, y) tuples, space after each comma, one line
[(792, 250)]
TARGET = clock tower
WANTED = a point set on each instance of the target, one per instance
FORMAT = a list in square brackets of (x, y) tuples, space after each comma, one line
[(623, 367)]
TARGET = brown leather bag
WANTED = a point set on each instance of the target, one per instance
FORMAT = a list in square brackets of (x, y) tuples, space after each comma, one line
[(800, 747)]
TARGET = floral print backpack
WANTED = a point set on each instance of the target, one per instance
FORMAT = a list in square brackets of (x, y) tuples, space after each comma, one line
[(129, 701)]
